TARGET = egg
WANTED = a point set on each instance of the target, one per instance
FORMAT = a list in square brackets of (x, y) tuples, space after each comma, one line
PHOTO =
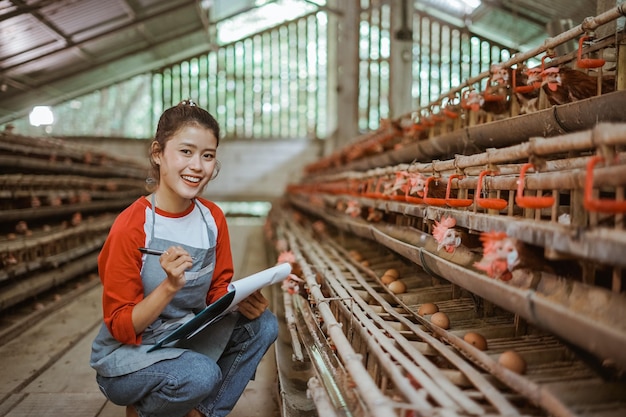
[(397, 287), (440, 319), (428, 308), (392, 272), (356, 255), (365, 263), (476, 340), (387, 279), (513, 361)]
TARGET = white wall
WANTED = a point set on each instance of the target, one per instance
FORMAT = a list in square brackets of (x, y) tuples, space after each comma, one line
[(259, 169), (251, 169)]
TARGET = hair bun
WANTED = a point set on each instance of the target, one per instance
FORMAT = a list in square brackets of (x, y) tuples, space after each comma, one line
[(189, 102)]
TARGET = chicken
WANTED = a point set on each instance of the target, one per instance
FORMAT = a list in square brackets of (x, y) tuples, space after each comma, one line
[(500, 255), (374, 215), (290, 258), (496, 93), (519, 82), (565, 85), (446, 236), (416, 184), (353, 208), (397, 186), (472, 100), (319, 227), (76, 219), (21, 228), (8, 259), (291, 284)]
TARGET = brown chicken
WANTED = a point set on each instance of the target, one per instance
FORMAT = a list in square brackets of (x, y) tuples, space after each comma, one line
[(565, 85), (524, 87), (496, 94)]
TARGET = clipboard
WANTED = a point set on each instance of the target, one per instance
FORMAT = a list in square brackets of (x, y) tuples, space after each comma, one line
[(237, 291)]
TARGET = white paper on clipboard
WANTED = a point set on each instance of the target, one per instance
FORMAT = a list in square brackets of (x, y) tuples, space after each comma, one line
[(244, 287)]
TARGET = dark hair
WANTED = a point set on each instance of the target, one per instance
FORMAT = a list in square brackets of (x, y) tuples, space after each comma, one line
[(171, 121)]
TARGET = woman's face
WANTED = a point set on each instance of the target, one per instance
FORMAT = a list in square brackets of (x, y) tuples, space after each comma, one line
[(186, 166)]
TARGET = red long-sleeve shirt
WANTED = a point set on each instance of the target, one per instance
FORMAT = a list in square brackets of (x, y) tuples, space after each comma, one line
[(120, 263)]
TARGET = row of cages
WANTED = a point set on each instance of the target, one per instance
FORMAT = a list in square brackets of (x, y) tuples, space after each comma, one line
[(563, 194), (528, 83), (58, 199), (507, 192)]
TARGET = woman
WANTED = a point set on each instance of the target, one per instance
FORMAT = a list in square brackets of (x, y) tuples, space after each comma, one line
[(146, 297)]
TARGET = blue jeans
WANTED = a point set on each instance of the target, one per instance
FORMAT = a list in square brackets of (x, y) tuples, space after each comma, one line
[(172, 388)]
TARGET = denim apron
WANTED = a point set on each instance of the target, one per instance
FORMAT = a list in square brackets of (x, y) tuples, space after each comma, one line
[(112, 358)]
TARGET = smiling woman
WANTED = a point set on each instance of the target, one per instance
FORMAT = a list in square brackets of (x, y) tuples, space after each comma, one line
[(147, 297)]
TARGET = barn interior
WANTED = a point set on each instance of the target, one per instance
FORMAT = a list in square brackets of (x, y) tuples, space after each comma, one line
[(446, 179)]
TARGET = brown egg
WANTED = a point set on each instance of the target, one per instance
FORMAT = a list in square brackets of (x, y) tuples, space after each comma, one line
[(387, 279), (356, 255), (440, 319), (428, 308), (393, 272), (365, 263), (397, 287), (513, 361), (475, 339)]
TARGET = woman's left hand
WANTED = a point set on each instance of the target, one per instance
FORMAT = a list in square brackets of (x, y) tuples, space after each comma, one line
[(253, 306)]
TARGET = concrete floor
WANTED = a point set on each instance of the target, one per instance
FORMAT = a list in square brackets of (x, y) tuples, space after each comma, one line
[(250, 256), (45, 370)]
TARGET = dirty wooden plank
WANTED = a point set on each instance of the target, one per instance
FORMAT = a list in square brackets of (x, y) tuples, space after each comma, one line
[(81, 379), (55, 405), (38, 347)]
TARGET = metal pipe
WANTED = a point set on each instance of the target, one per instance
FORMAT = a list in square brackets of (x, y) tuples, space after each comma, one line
[(322, 403), (326, 364), (291, 326), (376, 401), (554, 121), (603, 134)]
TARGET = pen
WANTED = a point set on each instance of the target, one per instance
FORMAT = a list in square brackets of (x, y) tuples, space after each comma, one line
[(156, 252)]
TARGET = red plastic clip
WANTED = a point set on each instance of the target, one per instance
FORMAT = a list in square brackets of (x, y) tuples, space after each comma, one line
[(522, 89), (603, 205), (366, 188), (532, 202), (587, 62), (488, 96), (353, 187), (488, 203), (456, 202)]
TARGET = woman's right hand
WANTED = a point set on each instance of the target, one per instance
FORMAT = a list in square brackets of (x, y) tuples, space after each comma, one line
[(175, 261)]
